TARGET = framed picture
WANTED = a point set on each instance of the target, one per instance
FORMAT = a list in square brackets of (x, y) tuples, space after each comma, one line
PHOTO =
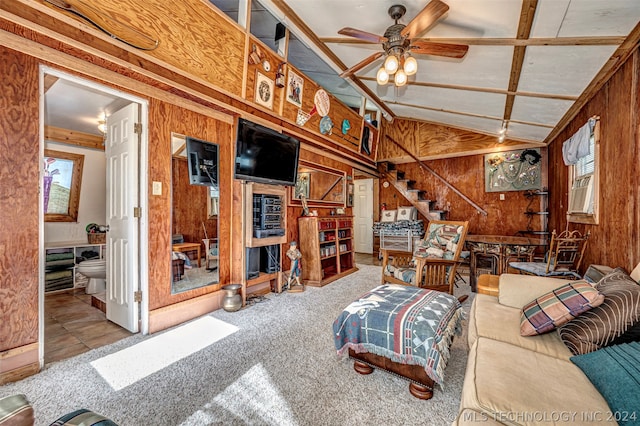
[(61, 185), (264, 90), (349, 195), (295, 84), (513, 170)]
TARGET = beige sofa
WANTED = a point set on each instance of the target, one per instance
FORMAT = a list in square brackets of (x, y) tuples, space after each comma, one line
[(517, 380)]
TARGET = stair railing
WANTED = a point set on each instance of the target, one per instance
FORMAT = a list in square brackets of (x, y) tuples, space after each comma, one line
[(440, 178)]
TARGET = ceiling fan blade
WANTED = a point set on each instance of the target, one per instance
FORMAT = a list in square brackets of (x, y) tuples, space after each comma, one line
[(439, 49), (362, 35), (423, 20), (363, 63)]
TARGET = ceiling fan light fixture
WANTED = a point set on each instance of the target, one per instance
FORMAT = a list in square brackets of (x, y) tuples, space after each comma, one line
[(400, 78), (391, 64), (410, 65), (382, 77)]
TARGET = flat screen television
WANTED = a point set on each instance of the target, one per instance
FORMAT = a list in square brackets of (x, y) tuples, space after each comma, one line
[(264, 155), (202, 157)]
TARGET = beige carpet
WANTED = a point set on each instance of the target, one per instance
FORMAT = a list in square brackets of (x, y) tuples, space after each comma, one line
[(278, 368)]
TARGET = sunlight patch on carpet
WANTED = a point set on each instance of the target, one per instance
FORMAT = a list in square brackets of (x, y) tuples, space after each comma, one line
[(252, 399), (136, 362)]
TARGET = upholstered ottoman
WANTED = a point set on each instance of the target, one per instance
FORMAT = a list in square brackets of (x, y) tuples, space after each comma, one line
[(403, 330)]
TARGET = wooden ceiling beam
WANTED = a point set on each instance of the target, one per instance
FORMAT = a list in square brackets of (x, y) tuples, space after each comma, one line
[(527, 14), (72, 137), (539, 41), (484, 90), (468, 114)]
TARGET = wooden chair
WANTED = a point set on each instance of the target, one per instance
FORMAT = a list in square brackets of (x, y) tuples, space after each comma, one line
[(434, 260), (563, 258), (211, 252)]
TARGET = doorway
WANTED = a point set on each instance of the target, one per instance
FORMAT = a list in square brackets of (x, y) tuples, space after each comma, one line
[(363, 215), (72, 318)]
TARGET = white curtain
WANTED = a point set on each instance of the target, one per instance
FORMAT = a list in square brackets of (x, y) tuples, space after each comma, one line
[(577, 146)]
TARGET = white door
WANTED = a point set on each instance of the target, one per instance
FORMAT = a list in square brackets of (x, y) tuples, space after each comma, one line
[(363, 214), (121, 148)]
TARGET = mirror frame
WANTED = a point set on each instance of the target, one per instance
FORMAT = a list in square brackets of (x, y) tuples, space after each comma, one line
[(74, 191), (320, 203)]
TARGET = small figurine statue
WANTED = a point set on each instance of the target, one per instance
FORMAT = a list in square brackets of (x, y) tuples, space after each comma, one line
[(294, 276)]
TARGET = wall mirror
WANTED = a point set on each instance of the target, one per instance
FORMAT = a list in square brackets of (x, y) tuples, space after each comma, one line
[(194, 205), (320, 185)]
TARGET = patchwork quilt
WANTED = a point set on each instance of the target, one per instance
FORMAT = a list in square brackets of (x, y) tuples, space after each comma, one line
[(405, 324)]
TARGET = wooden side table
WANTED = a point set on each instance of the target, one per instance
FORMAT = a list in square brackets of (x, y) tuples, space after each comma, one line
[(184, 247), (488, 284)]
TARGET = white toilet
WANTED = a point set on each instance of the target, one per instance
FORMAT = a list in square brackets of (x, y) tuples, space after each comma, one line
[(96, 271)]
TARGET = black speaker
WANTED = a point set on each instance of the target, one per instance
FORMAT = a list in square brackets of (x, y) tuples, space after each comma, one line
[(253, 262), (280, 31)]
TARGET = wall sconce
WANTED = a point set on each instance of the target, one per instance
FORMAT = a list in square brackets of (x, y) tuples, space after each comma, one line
[(280, 75)]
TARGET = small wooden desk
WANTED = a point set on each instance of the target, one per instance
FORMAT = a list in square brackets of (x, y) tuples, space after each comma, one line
[(185, 247)]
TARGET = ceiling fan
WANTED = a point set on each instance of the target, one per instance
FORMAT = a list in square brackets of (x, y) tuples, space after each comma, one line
[(398, 45)]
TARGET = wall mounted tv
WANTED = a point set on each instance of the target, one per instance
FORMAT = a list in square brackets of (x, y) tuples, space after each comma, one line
[(264, 155), (202, 157)]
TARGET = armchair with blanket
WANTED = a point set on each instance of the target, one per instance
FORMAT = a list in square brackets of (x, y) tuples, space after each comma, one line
[(434, 260)]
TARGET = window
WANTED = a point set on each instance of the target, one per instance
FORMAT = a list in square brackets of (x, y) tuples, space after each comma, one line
[(583, 181)]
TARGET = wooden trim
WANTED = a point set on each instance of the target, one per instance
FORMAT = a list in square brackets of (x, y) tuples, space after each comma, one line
[(72, 137), (18, 363), (178, 313), (540, 41)]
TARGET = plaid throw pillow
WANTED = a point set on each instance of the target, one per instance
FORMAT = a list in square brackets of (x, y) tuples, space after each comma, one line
[(558, 307)]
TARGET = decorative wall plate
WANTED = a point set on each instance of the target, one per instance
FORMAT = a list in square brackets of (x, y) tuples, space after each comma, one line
[(266, 65)]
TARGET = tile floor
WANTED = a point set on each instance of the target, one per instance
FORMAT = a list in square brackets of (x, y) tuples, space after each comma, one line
[(72, 326)]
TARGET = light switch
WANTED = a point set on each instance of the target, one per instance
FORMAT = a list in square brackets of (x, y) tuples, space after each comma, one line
[(157, 188), (501, 197)]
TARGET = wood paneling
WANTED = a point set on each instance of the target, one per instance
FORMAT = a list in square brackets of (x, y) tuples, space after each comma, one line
[(431, 141), (253, 70), (19, 199), (164, 119), (615, 241), (467, 175), (337, 112), (192, 37)]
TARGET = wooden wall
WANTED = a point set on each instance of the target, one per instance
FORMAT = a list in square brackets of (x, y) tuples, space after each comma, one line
[(615, 241), (20, 177), (165, 118), (429, 141), (467, 175)]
